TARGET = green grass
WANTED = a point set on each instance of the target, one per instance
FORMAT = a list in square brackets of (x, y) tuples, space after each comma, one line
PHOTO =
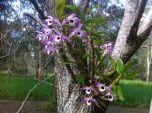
[(135, 93), (17, 87)]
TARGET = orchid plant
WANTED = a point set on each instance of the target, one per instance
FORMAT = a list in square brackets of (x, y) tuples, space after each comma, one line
[(58, 33)]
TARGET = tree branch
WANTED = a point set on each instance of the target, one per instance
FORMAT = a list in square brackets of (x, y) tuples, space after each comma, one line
[(142, 34), (51, 7), (84, 5), (36, 20), (127, 35), (41, 13), (147, 26), (8, 54), (28, 94)]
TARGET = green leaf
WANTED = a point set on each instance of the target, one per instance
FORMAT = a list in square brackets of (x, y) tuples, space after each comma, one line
[(131, 75), (71, 7), (119, 66), (80, 78), (60, 4), (74, 9), (98, 20), (97, 34), (128, 65), (112, 61), (118, 91)]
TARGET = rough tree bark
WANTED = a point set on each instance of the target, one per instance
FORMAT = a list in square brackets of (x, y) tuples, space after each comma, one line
[(128, 41), (131, 36), (68, 94)]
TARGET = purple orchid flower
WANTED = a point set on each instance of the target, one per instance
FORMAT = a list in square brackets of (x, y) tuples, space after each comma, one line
[(100, 86), (88, 90), (75, 30), (51, 20), (56, 39), (63, 37), (48, 21), (41, 37), (78, 32), (48, 50), (47, 31), (88, 100), (82, 33), (108, 48), (71, 20), (109, 97), (108, 89), (49, 47)]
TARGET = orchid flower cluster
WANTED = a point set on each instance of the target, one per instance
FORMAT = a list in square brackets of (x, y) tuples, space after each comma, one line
[(98, 88), (58, 31), (50, 37)]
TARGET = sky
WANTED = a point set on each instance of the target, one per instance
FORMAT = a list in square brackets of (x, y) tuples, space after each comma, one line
[(121, 2), (16, 5), (113, 1)]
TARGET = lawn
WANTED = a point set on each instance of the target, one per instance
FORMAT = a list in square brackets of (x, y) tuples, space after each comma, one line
[(135, 93), (17, 87)]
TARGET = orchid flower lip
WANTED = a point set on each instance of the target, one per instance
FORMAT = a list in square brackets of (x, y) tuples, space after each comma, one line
[(109, 97), (72, 20), (48, 21), (82, 33), (88, 100), (47, 31), (75, 30)]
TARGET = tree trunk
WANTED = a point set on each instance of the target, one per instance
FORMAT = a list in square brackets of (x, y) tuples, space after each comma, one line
[(68, 91), (38, 63), (68, 94), (150, 111), (148, 60)]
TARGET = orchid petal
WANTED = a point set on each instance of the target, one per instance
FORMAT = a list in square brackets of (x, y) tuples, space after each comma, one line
[(88, 100), (75, 30)]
